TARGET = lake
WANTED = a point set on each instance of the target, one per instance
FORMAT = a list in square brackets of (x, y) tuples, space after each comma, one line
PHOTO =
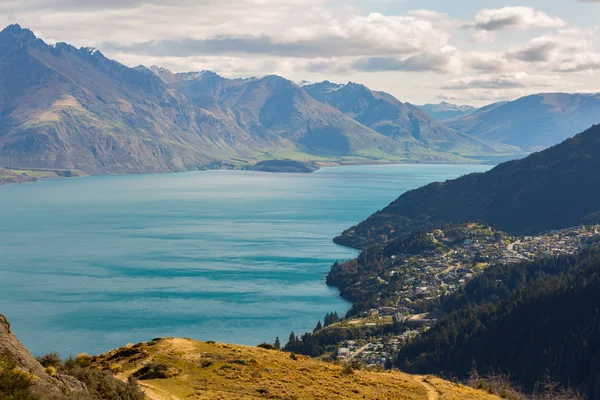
[(91, 264)]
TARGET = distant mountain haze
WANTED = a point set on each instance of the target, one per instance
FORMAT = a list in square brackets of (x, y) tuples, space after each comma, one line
[(376, 125), (409, 126), (532, 122), (444, 111)]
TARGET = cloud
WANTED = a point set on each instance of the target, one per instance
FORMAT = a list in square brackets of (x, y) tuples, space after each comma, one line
[(505, 86), (370, 35), (443, 61), (489, 21), (515, 18), (485, 61), (492, 81), (570, 50)]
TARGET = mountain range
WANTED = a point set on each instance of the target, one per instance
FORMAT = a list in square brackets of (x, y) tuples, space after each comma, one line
[(533, 122), (328, 119), (67, 108), (444, 111)]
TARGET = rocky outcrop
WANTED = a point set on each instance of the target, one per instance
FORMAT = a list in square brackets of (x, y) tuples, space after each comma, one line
[(12, 349)]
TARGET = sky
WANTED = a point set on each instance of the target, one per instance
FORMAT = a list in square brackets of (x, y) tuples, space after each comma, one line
[(467, 51)]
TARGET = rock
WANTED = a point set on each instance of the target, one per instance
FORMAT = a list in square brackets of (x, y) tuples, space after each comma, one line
[(12, 349)]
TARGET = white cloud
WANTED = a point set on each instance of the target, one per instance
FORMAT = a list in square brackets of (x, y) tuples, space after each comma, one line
[(488, 21), (499, 81), (515, 18)]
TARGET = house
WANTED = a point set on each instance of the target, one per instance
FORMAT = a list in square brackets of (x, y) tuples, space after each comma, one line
[(386, 311), (343, 352)]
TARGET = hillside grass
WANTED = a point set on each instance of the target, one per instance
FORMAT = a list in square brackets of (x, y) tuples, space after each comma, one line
[(197, 370)]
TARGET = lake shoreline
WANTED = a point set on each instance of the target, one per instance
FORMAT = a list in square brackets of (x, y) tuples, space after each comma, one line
[(323, 165)]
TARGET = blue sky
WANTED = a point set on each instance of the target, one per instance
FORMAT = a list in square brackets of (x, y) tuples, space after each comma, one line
[(474, 52)]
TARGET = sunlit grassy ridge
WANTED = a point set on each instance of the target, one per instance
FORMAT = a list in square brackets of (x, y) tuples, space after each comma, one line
[(197, 370)]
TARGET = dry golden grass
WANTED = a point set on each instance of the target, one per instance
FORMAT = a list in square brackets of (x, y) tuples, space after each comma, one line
[(221, 371)]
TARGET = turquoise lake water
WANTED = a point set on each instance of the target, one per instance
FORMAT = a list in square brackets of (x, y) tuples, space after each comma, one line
[(91, 264)]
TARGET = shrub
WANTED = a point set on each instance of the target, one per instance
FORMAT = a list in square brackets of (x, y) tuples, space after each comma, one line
[(156, 371), (69, 363), (116, 368), (105, 386), (348, 370), (267, 346), (51, 360), (83, 360), (14, 383), (293, 356)]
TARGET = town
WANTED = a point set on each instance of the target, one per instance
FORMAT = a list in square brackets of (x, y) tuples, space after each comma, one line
[(447, 259)]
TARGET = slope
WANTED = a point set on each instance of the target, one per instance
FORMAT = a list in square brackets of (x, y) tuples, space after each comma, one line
[(444, 111), (183, 368), (533, 122), (8, 176), (547, 308), (274, 108), (75, 109), (385, 130), (553, 189), (409, 126)]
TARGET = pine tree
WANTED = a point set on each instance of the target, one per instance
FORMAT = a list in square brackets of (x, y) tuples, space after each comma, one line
[(318, 327), (277, 343), (292, 342)]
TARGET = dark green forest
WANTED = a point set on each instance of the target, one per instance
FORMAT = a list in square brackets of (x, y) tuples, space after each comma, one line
[(531, 321)]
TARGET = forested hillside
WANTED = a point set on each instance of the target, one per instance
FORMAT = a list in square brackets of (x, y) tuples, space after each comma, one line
[(531, 321), (553, 189)]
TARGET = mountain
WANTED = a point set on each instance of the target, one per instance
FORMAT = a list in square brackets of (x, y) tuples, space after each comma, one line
[(546, 309), (553, 189), (186, 368), (444, 111), (533, 122), (276, 106), (410, 127), (383, 129), (73, 108)]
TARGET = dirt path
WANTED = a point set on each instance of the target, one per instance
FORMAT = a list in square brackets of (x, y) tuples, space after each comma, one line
[(153, 393), (432, 393)]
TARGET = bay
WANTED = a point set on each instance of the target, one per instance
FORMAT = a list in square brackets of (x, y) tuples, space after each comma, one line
[(91, 264)]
